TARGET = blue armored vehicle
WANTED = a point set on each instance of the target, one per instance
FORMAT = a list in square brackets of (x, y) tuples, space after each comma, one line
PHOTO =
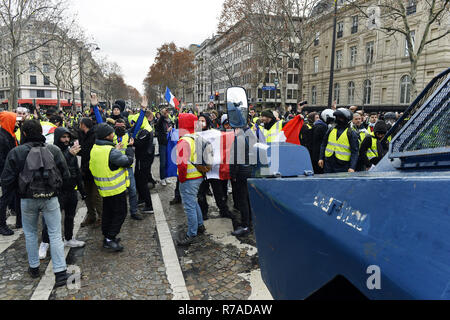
[(383, 234)]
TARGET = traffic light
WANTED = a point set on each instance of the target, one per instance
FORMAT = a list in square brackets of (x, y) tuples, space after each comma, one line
[(217, 96)]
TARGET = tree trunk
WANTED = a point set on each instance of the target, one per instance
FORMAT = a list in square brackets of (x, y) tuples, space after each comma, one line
[(413, 79), (13, 92), (283, 90), (300, 80)]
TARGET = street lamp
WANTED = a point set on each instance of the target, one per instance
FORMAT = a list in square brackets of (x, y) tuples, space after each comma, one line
[(333, 53), (276, 82), (92, 45)]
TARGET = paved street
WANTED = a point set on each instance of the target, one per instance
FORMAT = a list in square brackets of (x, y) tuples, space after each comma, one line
[(151, 267)]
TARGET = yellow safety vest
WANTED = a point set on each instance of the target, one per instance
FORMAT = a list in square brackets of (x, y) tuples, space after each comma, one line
[(340, 147), (125, 141), (192, 172), (18, 135), (273, 133), (373, 151), (109, 183)]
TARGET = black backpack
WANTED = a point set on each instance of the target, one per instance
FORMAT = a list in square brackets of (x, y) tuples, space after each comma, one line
[(205, 153), (40, 178)]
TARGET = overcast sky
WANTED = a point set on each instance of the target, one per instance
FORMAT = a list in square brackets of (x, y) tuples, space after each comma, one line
[(130, 31)]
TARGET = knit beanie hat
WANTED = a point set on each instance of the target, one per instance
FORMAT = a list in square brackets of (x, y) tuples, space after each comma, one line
[(380, 127), (104, 130), (267, 113)]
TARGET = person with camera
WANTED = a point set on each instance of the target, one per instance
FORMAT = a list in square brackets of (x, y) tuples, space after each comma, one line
[(68, 199)]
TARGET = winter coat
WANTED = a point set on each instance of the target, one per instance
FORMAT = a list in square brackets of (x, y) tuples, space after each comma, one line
[(15, 163), (72, 163)]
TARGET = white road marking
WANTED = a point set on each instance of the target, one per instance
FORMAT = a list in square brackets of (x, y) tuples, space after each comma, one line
[(170, 257), (45, 286), (6, 242)]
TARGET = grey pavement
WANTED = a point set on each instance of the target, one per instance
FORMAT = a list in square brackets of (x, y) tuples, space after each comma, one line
[(217, 267)]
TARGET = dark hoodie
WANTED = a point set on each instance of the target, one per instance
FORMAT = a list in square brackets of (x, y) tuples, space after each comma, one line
[(186, 123), (72, 163), (7, 136)]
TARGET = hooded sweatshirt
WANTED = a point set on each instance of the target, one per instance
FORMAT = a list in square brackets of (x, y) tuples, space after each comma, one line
[(72, 163), (187, 126), (7, 136)]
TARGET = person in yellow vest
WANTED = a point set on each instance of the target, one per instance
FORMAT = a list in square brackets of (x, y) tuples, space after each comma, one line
[(272, 127), (340, 146), (122, 137), (358, 127), (190, 179), (372, 150), (109, 169)]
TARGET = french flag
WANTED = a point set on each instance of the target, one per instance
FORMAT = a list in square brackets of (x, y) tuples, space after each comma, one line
[(171, 99), (221, 143)]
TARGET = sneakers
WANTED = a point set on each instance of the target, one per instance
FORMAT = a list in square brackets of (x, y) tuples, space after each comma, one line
[(201, 229), (136, 217), (175, 201), (112, 245), (163, 182), (141, 204), (43, 248), (147, 210), (34, 272), (186, 241), (6, 231), (61, 278), (74, 243), (240, 232)]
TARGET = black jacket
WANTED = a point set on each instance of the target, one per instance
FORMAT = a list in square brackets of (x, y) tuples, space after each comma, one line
[(364, 162), (116, 158), (320, 129), (72, 163), (161, 128), (144, 147), (87, 141), (15, 163), (7, 143), (242, 161)]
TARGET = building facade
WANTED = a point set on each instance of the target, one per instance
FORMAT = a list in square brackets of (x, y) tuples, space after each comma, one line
[(372, 68)]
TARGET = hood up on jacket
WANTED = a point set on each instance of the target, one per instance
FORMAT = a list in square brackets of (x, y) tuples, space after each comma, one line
[(59, 132), (186, 123), (8, 122)]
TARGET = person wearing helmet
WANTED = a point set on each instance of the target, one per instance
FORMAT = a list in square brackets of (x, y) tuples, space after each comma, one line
[(340, 146), (328, 117), (372, 150), (390, 118)]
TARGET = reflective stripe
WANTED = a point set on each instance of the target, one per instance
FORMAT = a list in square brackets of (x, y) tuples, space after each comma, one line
[(113, 187), (340, 152), (339, 145), (110, 179)]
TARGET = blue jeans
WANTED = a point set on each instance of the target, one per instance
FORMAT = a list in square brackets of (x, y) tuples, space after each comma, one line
[(162, 161), (52, 215), (188, 192), (132, 195)]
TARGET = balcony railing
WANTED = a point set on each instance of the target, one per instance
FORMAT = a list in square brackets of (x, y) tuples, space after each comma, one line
[(340, 34), (354, 29)]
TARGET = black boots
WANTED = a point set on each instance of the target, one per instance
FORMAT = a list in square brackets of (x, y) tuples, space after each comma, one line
[(6, 231), (61, 278), (112, 245), (176, 200), (34, 272)]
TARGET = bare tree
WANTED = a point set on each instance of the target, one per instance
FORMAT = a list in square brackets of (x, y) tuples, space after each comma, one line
[(397, 17), (26, 25)]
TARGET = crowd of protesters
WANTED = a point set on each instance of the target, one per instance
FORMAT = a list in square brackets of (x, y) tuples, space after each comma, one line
[(51, 160)]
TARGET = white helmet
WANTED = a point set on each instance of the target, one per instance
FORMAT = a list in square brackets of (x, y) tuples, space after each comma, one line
[(327, 115)]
